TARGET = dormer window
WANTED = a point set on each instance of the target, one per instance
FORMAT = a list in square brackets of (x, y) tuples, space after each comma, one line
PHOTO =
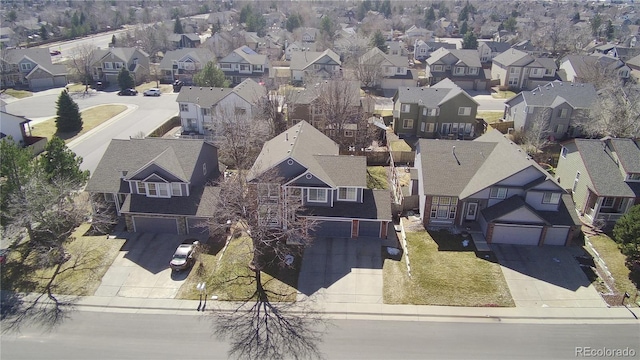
[(551, 198), (157, 190), (633, 177)]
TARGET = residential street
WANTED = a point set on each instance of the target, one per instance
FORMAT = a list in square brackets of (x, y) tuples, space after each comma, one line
[(88, 335)]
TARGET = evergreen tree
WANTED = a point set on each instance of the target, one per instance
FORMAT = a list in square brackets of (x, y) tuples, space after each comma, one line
[(125, 79), (210, 76), (69, 118), (16, 167), (626, 232), (610, 30), (470, 41), (378, 41), (44, 34), (113, 40), (59, 162), (245, 13), (177, 27), (430, 17), (464, 28), (293, 22), (385, 8), (596, 22)]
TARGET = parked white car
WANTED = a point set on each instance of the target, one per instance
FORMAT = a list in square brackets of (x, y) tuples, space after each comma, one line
[(152, 92)]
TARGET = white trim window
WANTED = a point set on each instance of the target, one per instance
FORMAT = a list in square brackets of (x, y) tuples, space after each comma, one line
[(437, 68), (406, 108), (563, 152), (407, 123), (443, 207), (269, 191), (431, 127), (176, 189), (107, 66), (464, 110), (157, 190), (317, 195), (498, 193), (607, 202), (140, 187), (184, 107), (25, 66), (551, 198), (562, 114), (347, 194), (459, 70), (633, 177)]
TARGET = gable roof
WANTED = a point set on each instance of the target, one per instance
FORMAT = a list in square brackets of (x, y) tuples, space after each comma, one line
[(315, 151), (40, 56), (177, 156), (467, 57), (378, 55), (579, 96), (201, 55), (430, 97), (513, 57), (207, 97), (495, 46), (602, 168), (302, 59), (246, 54), (125, 54), (583, 64)]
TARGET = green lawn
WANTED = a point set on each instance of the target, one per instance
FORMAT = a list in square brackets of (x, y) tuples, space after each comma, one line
[(503, 94), (490, 116), (18, 94), (91, 118), (377, 177), (90, 258), (399, 145), (444, 273), (231, 279), (615, 260)]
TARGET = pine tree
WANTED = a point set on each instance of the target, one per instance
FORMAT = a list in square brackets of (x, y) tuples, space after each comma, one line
[(59, 162), (177, 27), (379, 42), (44, 34), (470, 41), (69, 118), (210, 76), (125, 79)]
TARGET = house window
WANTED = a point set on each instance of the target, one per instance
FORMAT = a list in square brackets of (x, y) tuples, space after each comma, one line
[(225, 66), (184, 107), (633, 177), (435, 112), (269, 191), (257, 67), (422, 126), (575, 181), (431, 127), (529, 109), (623, 73), (407, 124), (406, 107), (348, 133), (498, 193), (445, 128), (142, 189), (25, 66), (206, 111), (559, 129), (536, 72), (157, 190), (240, 111), (514, 70), (459, 70), (513, 81), (176, 189), (437, 67), (348, 194), (473, 71), (118, 65), (467, 128), (607, 202), (465, 111), (443, 207), (399, 70), (549, 72), (454, 128), (563, 152), (551, 198), (107, 66), (244, 67), (317, 195), (424, 111)]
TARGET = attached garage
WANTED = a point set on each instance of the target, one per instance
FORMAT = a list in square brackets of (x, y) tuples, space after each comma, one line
[(197, 226), (155, 225), (465, 84), (369, 229), (333, 228), (516, 234), (556, 236), (42, 83)]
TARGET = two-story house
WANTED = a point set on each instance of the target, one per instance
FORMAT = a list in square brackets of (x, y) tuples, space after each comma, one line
[(385, 71), (580, 68), (297, 46), (331, 187), (492, 184), (308, 34), (17, 128), (442, 110), (603, 176), (463, 67), (423, 49), (488, 50), (201, 106), (182, 64), (158, 185), (31, 69), (244, 63), (562, 106), (107, 63), (180, 41), (515, 69), (317, 65)]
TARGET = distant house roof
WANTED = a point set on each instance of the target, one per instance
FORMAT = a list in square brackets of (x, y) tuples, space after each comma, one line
[(513, 57), (376, 55), (496, 46), (584, 64), (40, 56), (177, 156), (201, 55), (246, 54), (178, 37), (302, 59), (123, 53), (430, 97), (467, 57), (579, 96), (207, 97)]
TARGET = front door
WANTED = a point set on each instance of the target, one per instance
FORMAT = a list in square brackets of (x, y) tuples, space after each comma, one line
[(472, 210)]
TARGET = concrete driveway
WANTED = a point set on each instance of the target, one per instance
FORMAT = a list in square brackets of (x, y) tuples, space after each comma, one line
[(547, 276), (141, 269), (337, 270)]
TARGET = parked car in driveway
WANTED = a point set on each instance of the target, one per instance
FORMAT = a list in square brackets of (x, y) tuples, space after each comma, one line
[(128, 92), (54, 52), (152, 92), (184, 257)]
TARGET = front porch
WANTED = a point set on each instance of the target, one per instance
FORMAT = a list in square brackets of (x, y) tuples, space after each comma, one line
[(605, 209)]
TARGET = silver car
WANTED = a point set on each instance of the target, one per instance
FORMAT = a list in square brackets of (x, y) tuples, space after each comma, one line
[(152, 92), (184, 257)]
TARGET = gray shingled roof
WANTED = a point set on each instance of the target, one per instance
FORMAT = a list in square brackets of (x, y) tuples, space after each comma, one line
[(312, 149), (126, 54), (469, 57), (40, 56), (302, 59), (579, 96), (429, 96), (134, 154), (197, 204), (513, 57), (201, 55), (248, 55), (582, 64), (249, 90), (628, 153), (507, 206), (602, 169), (376, 205)]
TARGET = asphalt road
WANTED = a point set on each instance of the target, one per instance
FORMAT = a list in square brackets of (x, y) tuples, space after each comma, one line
[(145, 115), (93, 335)]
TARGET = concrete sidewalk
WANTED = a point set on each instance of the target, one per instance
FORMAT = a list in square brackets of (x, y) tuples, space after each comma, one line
[(351, 311)]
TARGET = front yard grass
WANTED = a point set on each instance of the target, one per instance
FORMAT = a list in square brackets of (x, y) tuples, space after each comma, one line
[(615, 260), (91, 118), (18, 94), (444, 273), (377, 177), (231, 279), (90, 257), (490, 116), (503, 94)]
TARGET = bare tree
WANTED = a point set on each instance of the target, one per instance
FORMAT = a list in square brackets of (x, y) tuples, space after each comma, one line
[(277, 107), (368, 69), (616, 113), (352, 47), (553, 35), (81, 60), (270, 215), (536, 134)]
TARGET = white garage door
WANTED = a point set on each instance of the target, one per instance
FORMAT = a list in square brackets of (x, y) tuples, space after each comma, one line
[(43, 83), (516, 234), (556, 236), (155, 225)]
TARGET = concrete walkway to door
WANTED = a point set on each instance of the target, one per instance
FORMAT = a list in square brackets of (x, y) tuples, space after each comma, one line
[(338, 270)]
